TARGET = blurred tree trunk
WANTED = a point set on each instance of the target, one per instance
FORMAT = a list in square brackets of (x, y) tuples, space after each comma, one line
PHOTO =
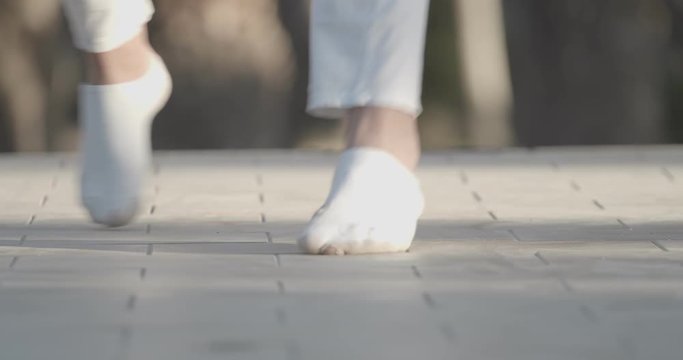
[(28, 31), (304, 130), (587, 71), (675, 81), (442, 122), (485, 72)]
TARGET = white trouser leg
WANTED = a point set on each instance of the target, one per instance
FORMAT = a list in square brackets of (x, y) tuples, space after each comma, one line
[(366, 53), (103, 25)]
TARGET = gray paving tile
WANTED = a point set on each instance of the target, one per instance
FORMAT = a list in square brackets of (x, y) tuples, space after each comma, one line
[(228, 248), (494, 327), (378, 326), (60, 342), (83, 245), (562, 253), (204, 231), (59, 323)]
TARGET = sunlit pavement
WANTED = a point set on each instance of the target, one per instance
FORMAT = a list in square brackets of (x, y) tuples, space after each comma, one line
[(570, 253)]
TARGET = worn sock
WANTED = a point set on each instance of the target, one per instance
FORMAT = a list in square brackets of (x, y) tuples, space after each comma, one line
[(373, 207), (116, 123)]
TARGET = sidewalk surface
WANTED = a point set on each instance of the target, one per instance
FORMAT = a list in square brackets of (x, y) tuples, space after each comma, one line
[(573, 253)]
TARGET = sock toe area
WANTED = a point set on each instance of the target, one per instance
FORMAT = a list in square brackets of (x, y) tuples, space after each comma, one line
[(329, 238), (111, 212), (373, 207)]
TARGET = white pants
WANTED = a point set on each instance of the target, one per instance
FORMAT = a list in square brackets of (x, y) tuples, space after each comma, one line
[(363, 52)]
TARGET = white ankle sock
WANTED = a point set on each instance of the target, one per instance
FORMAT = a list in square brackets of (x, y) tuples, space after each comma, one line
[(373, 207), (116, 122)]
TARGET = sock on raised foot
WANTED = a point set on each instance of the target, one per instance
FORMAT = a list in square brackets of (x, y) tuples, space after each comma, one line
[(373, 207), (116, 123)]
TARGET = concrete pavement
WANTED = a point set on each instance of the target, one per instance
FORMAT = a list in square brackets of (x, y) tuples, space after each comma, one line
[(566, 253)]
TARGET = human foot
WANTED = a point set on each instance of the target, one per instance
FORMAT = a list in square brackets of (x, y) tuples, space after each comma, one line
[(373, 207), (375, 199), (116, 121)]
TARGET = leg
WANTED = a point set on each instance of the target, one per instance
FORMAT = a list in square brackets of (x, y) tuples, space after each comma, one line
[(366, 68), (128, 62), (391, 130), (127, 85)]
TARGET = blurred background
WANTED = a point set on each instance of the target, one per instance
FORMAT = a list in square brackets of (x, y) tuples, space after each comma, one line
[(497, 73)]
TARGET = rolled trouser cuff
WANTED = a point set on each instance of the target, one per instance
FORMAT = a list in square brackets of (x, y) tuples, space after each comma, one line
[(334, 106), (366, 53), (104, 25)]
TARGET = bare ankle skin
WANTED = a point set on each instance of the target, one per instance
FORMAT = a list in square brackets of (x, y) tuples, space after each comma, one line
[(387, 129), (128, 62)]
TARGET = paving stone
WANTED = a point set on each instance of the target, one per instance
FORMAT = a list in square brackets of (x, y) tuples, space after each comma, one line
[(550, 253), (82, 245), (61, 323), (228, 248), (673, 242), (430, 230), (203, 232), (70, 231), (493, 326), (208, 324), (372, 327), (57, 341)]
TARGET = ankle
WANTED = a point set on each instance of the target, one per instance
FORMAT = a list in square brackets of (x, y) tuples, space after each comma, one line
[(390, 130), (126, 63)]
